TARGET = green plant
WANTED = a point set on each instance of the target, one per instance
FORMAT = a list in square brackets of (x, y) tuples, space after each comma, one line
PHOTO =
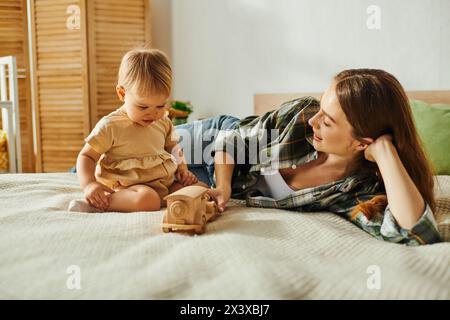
[(182, 106)]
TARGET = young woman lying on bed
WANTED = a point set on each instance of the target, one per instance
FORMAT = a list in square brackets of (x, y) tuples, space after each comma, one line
[(355, 153)]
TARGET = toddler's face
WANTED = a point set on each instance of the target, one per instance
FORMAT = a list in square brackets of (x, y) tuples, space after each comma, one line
[(145, 110)]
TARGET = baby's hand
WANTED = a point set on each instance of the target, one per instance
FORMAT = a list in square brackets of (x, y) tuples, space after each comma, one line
[(185, 177), (95, 195)]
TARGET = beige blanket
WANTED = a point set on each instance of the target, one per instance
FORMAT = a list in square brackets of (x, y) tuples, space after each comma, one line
[(248, 253)]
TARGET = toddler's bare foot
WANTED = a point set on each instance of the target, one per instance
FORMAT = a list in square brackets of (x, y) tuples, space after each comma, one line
[(82, 206)]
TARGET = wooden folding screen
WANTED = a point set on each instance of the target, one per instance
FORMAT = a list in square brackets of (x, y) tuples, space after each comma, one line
[(14, 42), (77, 47)]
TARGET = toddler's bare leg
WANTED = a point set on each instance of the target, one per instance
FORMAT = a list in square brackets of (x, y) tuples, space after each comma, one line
[(134, 198)]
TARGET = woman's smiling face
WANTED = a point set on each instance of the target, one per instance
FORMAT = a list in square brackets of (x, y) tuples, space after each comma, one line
[(332, 131)]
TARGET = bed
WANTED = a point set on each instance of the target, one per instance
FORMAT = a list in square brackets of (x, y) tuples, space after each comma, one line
[(47, 252)]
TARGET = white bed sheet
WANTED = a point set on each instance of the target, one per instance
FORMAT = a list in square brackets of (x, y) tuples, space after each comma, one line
[(248, 253)]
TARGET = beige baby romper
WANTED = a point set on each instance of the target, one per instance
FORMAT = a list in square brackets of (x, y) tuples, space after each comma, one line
[(134, 154)]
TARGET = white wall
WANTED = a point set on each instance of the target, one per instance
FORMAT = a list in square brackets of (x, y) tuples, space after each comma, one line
[(225, 51)]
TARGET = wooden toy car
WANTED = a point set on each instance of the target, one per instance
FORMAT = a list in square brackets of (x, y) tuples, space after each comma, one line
[(189, 209)]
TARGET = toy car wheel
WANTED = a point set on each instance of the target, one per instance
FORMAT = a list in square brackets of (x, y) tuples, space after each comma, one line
[(213, 213), (178, 208), (200, 230)]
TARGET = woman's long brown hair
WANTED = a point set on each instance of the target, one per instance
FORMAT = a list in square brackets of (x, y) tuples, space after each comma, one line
[(375, 103)]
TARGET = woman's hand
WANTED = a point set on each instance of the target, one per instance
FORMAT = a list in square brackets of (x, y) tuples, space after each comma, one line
[(221, 195), (95, 194), (373, 149), (405, 201), (185, 177)]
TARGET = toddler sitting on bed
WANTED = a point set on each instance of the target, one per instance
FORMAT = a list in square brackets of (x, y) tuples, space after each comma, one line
[(136, 144)]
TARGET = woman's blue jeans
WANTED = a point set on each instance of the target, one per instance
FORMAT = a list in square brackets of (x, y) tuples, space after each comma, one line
[(197, 141)]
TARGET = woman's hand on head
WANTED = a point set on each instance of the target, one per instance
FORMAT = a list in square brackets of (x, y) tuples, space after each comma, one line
[(371, 151), (96, 195), (221, 195)]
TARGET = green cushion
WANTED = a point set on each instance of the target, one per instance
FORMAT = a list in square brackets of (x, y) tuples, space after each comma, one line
[(433, 125)]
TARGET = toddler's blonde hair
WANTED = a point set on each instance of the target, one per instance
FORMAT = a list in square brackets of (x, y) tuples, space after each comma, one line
[(145, 71)]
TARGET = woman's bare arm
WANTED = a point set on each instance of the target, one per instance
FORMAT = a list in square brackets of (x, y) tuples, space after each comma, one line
[(223, 167), (405, 201)]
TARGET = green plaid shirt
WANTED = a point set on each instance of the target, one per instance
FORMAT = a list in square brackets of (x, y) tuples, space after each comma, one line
[(291, 145)]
